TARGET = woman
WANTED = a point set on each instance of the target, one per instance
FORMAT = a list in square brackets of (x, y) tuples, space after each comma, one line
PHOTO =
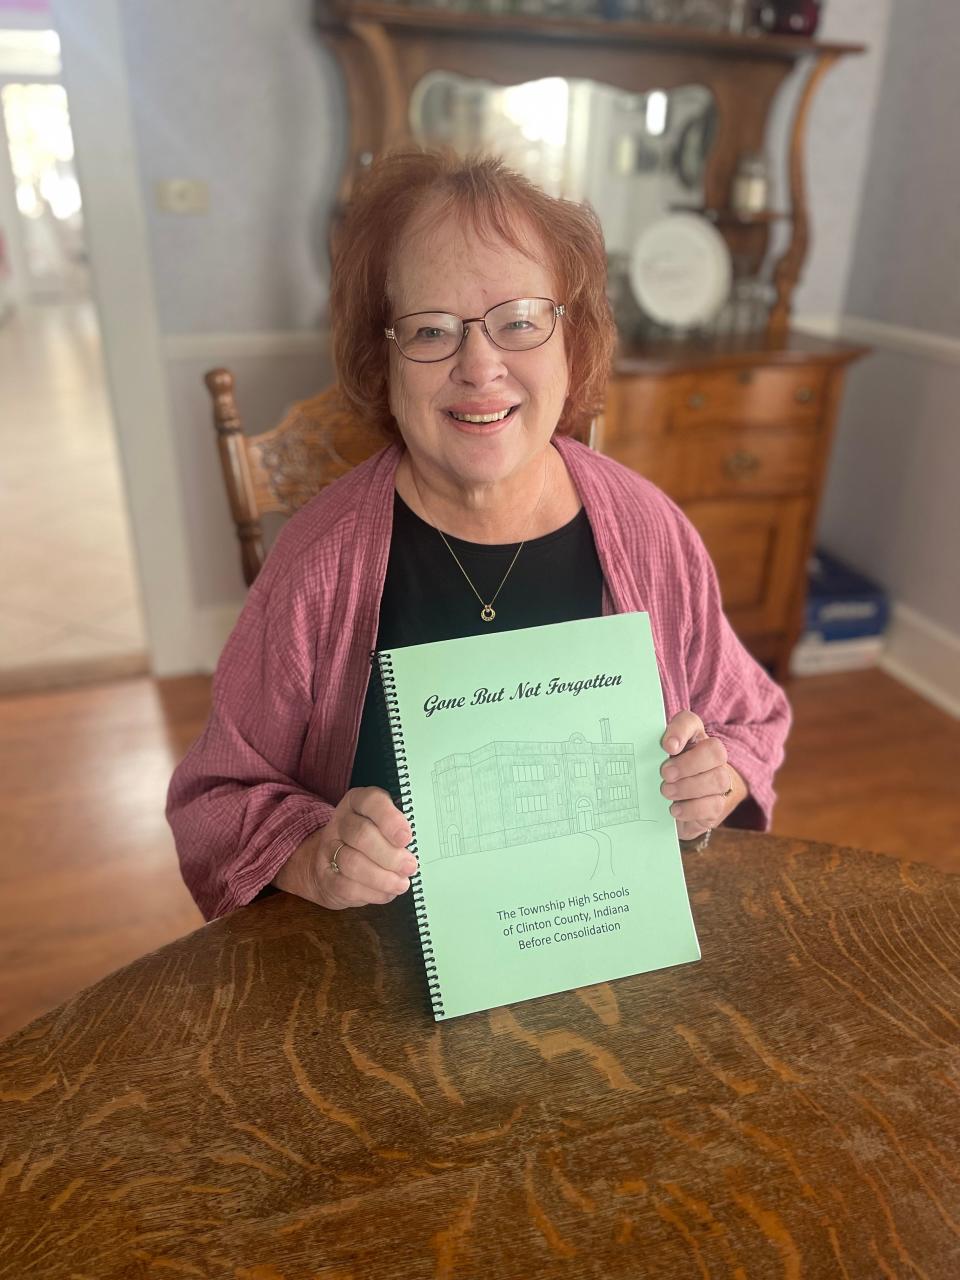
[(471, 323)]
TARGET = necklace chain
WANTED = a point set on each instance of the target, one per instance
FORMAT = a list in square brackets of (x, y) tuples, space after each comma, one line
[(487, 611)]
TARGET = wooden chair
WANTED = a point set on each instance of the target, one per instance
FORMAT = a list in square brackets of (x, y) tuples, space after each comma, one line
[(280, 470)]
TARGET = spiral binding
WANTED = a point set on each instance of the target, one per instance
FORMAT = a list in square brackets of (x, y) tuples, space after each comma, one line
[(393, 740)]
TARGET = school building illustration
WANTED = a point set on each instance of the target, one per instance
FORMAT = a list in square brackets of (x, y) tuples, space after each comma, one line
[(508, 793)]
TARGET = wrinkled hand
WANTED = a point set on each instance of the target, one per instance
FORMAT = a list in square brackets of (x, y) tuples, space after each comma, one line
[(704, 788), (375, 866)]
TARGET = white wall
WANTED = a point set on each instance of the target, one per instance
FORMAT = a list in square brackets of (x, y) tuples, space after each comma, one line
[(246, 97), (905, 262), (838, 146), (891, 505), (891, 500)]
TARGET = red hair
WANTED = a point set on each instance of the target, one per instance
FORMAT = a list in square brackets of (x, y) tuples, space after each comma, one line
[(498, 202)]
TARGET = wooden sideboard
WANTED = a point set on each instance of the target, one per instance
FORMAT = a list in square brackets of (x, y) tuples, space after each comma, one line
[(738, 434), (737, 430)]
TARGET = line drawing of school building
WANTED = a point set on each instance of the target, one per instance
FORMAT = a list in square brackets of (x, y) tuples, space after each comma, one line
[(508, 793)]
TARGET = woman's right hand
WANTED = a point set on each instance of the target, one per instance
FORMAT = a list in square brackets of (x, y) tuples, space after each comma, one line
[(374, 865)]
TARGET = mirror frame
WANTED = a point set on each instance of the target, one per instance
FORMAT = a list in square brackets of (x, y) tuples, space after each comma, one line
[(384, 50)]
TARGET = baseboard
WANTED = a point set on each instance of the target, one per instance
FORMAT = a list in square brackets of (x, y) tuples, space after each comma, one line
[(924, 656), (42, 677)]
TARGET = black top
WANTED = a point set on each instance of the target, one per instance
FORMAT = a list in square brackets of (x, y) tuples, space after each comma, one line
[(556, 578)]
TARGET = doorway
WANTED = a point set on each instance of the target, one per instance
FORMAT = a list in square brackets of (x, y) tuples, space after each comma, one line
[(69, 597)]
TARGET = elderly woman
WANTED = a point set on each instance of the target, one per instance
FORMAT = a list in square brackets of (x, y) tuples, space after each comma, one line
[(471, 323)]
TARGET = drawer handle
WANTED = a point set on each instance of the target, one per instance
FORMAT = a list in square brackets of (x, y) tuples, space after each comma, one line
[(697, 400), (741, 463), (803, 395)]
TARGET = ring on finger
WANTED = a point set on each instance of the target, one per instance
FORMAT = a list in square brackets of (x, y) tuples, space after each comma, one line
[(334, 864)]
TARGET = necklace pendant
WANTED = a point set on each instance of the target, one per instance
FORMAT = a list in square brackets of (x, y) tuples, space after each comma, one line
[(488, 613)]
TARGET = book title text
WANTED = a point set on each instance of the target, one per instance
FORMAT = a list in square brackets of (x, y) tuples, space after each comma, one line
[(524, 689)]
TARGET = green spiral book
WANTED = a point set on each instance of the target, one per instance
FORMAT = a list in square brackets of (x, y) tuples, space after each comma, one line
[(529, 768)]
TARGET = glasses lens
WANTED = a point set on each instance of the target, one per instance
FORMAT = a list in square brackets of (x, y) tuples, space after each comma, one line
[(522, 323), (429, 335)]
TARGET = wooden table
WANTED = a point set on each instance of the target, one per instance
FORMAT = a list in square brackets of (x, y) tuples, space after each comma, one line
[(268, 1099)]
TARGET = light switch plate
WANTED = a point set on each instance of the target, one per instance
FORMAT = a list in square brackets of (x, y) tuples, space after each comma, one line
[(183, 195)]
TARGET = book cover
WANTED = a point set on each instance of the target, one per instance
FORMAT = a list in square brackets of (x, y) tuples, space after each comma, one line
[(529, 764)]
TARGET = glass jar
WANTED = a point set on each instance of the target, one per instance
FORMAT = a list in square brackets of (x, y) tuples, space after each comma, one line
[(739, 16), (751, 184), (750, 304)]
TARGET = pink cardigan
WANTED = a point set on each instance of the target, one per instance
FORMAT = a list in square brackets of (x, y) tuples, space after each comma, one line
[(277, 752)]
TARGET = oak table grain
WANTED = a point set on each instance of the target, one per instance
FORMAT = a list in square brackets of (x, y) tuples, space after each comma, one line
[(269, 1099)]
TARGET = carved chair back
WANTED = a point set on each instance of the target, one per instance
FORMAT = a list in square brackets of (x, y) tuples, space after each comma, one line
[(280, 470)]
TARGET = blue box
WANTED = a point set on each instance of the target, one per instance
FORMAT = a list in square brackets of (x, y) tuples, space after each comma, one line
[(841, 603)]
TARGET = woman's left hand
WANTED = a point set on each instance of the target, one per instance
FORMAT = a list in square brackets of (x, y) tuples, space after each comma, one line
[(704, 788)]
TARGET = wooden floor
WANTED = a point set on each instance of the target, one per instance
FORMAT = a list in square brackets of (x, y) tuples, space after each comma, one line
[(88, 876)]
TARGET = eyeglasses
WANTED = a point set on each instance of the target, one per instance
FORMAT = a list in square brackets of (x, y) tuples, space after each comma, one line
[(518, 325)]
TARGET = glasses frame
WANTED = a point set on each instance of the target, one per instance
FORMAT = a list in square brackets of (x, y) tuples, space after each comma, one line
[(559, 309)]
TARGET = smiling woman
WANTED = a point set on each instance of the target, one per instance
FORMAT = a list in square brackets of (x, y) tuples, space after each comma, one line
[(477, 418), (471, 324)]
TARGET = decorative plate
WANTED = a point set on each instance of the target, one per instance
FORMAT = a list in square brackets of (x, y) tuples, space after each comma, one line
[(680, 270)]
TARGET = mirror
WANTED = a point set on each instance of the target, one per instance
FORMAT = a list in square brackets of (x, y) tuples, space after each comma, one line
[(634, 157)]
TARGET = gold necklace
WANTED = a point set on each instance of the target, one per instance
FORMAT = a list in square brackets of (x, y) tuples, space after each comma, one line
[(487, 611)]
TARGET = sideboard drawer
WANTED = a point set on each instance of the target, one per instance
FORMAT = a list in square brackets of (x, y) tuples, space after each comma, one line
[(729, 463), (760, 396), (755, 546), (738, 438)]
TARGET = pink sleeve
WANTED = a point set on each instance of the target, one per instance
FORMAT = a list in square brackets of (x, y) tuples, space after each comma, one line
[(235, 805), (732, 694)]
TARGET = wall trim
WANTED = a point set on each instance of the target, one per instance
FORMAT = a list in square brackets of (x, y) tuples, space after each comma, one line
[(925, 656), (222, 347), (821, 326), (876, 333), (915, 342)]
